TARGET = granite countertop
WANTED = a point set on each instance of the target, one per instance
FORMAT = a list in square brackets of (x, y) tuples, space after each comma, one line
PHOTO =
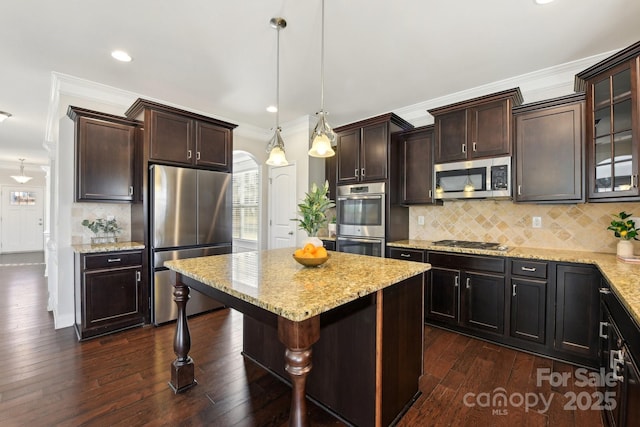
[(274, 281), (623, 277), (107, 247)]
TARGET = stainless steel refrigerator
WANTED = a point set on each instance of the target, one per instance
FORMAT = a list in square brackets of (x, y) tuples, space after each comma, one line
[(191, 216)]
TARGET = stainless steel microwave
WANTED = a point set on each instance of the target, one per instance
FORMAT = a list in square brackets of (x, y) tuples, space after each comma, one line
[(484, 178)]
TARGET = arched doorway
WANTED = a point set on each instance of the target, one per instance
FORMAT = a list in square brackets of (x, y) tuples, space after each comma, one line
[(247, 212)]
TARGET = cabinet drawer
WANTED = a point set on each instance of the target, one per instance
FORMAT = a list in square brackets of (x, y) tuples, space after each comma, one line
[(529, 269), (112, 260), (407, 254), (467, 262)]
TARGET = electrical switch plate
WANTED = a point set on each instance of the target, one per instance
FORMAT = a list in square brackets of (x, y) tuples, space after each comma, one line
[(536, 222), (420, 220)]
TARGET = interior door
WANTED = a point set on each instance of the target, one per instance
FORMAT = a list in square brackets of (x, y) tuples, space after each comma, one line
[(282, 207), (22, 219)]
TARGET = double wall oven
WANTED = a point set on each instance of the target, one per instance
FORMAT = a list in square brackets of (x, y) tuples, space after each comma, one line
[(360, 213)]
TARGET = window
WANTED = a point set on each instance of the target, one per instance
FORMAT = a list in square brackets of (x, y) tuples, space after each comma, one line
[(23, 198), (245, 205)]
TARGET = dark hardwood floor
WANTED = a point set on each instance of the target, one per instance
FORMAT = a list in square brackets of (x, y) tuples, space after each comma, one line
[(48, 378)]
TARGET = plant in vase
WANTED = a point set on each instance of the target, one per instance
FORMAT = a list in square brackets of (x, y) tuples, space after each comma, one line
[(312, 211), (104, 230), (624, 228)]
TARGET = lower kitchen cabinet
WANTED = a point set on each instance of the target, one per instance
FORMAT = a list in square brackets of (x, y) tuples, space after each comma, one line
[(619, 356), (108, 292), (528, 300), (577, 312), (466, 291), (416, 255)]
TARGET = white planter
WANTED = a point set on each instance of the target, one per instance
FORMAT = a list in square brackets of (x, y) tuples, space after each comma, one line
[(313, 240), (625, 249)]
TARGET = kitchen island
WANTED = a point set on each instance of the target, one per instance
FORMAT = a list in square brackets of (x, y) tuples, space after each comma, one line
[(362, 315)]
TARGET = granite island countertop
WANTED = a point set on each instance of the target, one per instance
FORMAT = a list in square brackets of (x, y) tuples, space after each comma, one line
[(624, 278), (274, 281), (107, 247)]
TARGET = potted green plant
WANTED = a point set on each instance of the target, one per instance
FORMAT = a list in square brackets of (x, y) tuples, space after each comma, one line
[(624, 228), (312, 211), (104, 230)]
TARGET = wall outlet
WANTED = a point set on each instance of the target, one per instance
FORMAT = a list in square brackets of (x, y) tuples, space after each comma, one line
[(420, 220), (536, 222)]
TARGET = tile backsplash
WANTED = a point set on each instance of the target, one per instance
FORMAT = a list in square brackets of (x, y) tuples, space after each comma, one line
[(80, 211), (581, 227)]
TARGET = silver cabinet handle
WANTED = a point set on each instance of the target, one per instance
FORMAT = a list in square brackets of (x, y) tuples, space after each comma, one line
[(519, 190), (114, 260), (531, 269), (430, 193), (634, 181), (601, 333), (197, 155), (356, 173), (475, 146), (468, 282), (405, 255), (188, 154), (604, 291), (513, 290), (616, 357), (464, 148), (131, 190), (457, 281), (362, 173), (138, 278)]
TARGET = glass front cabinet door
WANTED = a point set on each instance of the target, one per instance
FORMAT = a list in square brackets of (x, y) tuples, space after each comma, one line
[(613, 125)]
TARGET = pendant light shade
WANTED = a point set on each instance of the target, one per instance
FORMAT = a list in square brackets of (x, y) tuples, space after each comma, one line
[(21, 178), (323, 137), (275, 147)]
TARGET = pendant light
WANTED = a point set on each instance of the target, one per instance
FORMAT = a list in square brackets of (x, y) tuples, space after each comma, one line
[(275, 148), (21, 178), (323, 137)]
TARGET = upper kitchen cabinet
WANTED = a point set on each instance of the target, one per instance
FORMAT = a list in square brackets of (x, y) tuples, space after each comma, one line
[(105, 157), (477, 128), (363, 148), (415, 158), (548, 150), (181, 138), (613, 125)]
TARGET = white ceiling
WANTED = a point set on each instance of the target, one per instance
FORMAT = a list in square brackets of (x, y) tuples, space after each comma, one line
[(218, 56)]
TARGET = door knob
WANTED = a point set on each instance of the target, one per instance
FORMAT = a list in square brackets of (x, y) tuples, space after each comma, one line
[(290, 233)]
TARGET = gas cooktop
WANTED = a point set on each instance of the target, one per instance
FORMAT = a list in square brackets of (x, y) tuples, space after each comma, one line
[(491, 246)]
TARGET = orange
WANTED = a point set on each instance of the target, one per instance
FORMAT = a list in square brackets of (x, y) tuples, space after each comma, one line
[(309, 248), (298, 253), (321, 252)]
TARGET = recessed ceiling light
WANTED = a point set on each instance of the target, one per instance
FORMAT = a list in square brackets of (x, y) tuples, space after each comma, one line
[(4, 116), (272, 109), (121, 55), (543, 1)]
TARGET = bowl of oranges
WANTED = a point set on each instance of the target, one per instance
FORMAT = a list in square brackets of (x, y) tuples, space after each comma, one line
[(311, 255)]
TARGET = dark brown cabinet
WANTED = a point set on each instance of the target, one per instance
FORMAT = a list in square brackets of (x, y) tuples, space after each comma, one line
[(416, 165), (577, 312), (528, 300), (467, 291), (362, 153), (178, 137), (473, 129), (549, 152), (109, 292), (613, 125), (329, 245), (105, 157)]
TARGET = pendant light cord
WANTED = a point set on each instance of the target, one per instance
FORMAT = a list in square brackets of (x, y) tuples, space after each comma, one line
[(322, 62), (278, 78)]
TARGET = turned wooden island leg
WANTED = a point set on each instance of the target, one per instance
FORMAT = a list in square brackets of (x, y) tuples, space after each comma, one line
[(298, 337), (182, 369)]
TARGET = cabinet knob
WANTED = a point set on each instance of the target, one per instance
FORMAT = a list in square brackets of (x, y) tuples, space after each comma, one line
[(197, 155), (513, 290), (519, 190), (464, 148), (362, 173), (457, 282), (430, 193), (131, 190), (475, 146), (601, 333), (188, 154), (356, 173), (468, 282)]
